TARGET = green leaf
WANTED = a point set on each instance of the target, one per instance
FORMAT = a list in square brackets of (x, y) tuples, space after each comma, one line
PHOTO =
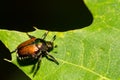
[(91, 53)]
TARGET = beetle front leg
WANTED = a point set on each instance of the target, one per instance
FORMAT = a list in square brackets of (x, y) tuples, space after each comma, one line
[(54, 37), (51, 58), (45, 34)]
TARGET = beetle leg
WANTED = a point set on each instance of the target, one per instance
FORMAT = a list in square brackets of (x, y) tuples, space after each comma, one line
[(54, 37), (51, 58), (38, 65), (14, 51), (30, 36), (44, 35)]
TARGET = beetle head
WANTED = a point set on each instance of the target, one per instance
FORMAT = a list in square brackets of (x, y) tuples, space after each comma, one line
[(49, 45)]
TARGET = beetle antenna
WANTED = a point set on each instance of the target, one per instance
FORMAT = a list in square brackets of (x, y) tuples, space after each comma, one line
[(44, 35)]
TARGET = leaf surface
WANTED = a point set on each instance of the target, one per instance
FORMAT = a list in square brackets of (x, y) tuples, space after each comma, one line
[(91, 53)]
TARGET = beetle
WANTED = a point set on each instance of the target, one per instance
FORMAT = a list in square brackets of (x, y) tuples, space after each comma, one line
[(35, 49)]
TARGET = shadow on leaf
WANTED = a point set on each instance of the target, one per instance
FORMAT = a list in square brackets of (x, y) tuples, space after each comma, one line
[(8, 69)]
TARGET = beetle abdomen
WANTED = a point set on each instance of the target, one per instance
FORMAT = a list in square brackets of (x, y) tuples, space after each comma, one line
[(27, 50)]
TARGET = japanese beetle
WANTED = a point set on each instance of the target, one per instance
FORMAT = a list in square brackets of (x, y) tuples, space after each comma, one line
[(35, 49)]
